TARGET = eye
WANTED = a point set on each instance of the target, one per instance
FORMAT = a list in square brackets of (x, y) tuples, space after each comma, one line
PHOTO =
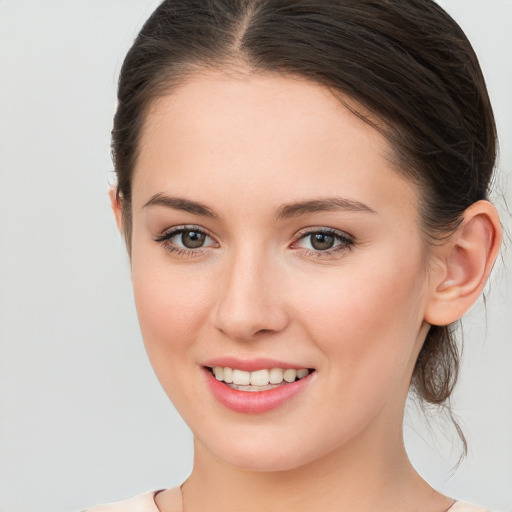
[(188, 240), (323, 242)]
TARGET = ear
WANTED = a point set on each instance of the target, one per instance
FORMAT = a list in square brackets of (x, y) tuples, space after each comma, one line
[(462, 265), (117, 208)]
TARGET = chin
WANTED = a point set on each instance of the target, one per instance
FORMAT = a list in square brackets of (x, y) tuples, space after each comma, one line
[(261, 462), (262, 456)]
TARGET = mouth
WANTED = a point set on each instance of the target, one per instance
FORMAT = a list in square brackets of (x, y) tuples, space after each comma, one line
[(258, 380), (259, 384)]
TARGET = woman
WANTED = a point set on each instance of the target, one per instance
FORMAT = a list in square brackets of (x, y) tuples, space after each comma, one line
[(302, 187)]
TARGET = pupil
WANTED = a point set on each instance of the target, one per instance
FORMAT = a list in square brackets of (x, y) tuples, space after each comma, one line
[(321, 241), (192, 239)]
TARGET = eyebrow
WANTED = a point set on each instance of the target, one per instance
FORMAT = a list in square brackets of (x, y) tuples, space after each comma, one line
[(179, 203), (285, 211), (327, 204)]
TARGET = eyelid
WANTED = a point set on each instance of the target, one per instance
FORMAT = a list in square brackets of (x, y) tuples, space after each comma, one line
[(176, 230), (165, 240), (325, 230), (346, 240)]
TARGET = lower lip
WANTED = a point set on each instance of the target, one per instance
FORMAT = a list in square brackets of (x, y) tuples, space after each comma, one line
[(254, 401)]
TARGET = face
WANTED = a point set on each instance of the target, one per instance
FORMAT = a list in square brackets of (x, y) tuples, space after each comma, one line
[(270, 232)]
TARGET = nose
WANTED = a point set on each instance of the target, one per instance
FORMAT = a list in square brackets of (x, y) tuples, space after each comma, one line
[(251, 299)]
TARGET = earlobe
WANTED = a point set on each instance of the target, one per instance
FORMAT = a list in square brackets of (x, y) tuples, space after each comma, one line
[(116, 206), (465, 263)]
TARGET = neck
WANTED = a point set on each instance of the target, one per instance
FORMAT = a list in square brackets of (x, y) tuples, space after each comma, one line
[(369, 474)]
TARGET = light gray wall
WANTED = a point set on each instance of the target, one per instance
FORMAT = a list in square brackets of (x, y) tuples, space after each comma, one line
[(83, 419)]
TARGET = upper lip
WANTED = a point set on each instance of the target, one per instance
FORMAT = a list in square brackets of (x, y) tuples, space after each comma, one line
[(251, 365)]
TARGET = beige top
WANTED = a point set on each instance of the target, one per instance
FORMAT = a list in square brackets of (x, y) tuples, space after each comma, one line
[(141, 503), (146, 503)]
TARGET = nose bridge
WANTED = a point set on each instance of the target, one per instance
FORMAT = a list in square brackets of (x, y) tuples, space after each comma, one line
[(249, 301)]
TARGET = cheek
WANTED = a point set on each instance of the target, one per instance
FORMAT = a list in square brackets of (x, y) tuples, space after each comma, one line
[(367, 319), (173, 310), (172, 306)]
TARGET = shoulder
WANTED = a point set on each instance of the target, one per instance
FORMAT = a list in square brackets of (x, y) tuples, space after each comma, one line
[(463, 506), (141, 503)]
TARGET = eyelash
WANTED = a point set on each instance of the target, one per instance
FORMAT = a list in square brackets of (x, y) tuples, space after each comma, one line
[(166, 237), (346, 241)]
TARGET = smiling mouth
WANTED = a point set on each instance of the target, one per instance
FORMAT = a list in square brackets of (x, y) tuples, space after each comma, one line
[(258, 380)]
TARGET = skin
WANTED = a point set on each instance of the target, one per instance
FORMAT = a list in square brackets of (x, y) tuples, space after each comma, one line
[(244, 146)]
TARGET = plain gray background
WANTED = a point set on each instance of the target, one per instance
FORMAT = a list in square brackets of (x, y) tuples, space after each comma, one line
[(83, 419)]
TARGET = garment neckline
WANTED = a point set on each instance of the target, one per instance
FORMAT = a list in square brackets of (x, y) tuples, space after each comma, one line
[(154, 494), (156, 509)]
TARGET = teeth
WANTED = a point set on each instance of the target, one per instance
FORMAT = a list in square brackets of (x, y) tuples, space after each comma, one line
[(228, 375), (258, 377), (289, 375), (276, 376), (300, 373), (241, 378)]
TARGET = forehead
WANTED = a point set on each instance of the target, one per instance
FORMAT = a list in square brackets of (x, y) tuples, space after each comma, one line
[(264, 137)]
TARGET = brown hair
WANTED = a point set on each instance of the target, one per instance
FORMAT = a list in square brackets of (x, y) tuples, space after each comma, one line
[(407, 62)]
